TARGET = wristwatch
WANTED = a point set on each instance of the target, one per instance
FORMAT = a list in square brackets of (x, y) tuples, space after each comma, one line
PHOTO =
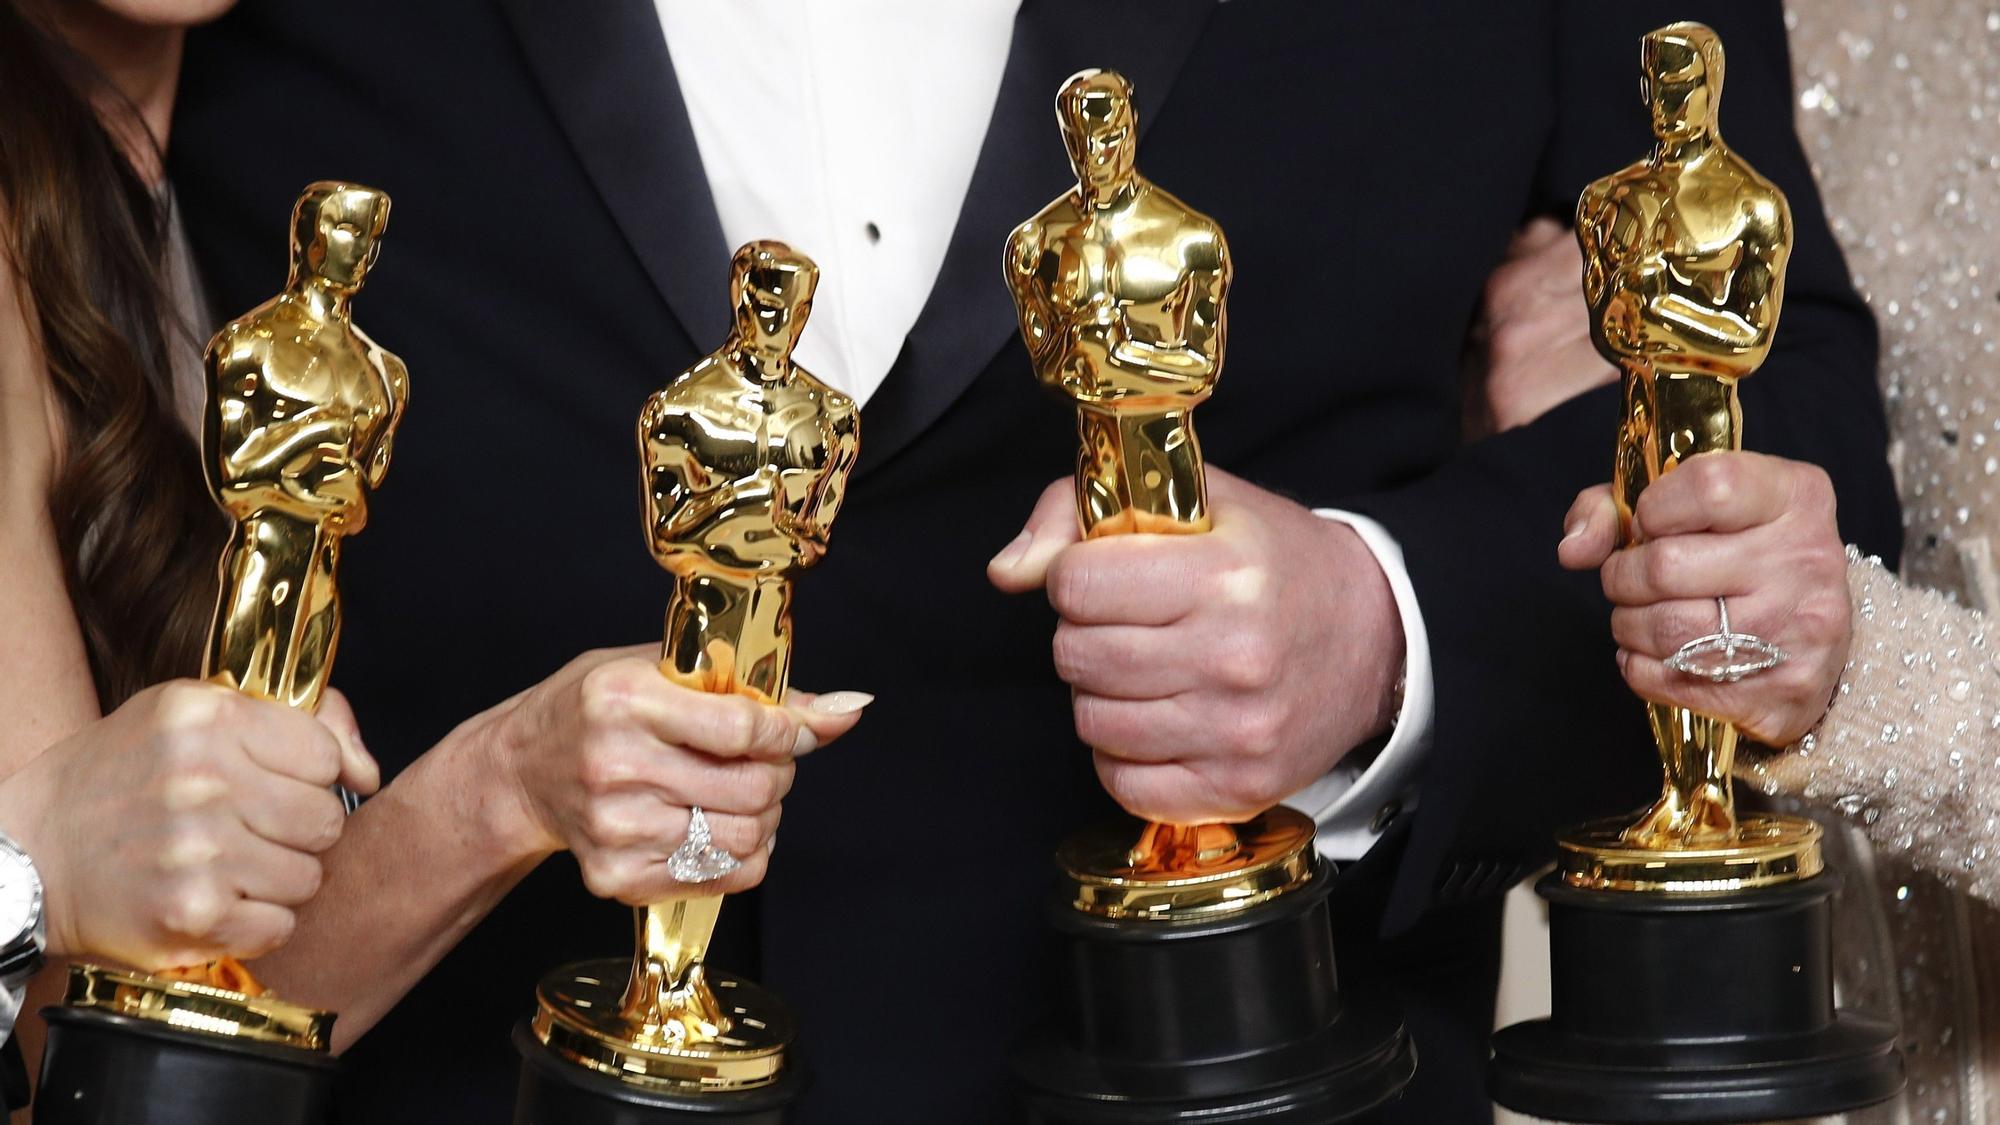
[(22, 927)]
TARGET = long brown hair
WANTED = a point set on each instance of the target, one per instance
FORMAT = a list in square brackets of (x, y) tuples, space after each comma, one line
[(137, 529)]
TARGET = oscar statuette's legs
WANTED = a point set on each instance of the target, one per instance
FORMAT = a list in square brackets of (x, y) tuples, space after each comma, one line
[(1691, 414)]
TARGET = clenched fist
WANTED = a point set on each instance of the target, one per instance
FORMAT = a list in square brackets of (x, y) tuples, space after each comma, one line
[(607, 757), (1214, 675), (185, 825)]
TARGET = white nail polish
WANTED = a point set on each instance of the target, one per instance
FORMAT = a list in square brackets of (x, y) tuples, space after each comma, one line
[(842, 702), (805, 743)]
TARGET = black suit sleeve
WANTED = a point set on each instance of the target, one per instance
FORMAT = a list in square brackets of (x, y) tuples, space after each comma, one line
[(1535, 730)]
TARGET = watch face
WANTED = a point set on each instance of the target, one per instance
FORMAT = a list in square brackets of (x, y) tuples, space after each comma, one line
[(20, 897)]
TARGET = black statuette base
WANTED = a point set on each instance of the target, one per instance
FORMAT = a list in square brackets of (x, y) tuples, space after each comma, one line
[(1231, 1020), (1693, 1007), (555, 1091), (105, 1069)]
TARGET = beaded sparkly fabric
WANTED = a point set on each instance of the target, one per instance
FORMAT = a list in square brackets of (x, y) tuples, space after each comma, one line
[(1899, 109)]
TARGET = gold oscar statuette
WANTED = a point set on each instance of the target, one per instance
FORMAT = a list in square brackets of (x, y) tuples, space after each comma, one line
[(745, 459), (301, 411), (1121, 290), (1684, 271)]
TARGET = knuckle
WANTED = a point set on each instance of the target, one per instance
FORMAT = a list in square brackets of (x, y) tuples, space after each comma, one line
[(605, 694), (1094, 724), (284, 924), (601, 825), (1252, 659), (328, 822), (605, 875), (736, 726), (1257, 732), (1066, 649), (1716, 480), (192, 908), (601, 768), (765, 786), (1813, 488), (1675, 625), (1665, 559), (190, 706), (311, 876), (1069, 584), (1251, 787)]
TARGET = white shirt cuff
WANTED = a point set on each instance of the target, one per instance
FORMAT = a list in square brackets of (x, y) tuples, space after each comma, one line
[(1352, 804)]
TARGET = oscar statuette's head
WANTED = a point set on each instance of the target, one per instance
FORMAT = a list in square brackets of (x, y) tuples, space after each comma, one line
[(1680, 80), (1100, 129), (336, 233), (771, 286)]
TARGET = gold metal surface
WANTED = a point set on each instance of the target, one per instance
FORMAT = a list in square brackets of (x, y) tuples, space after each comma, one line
[(1263, 858), (301, 411), (1766, 850), (194, 1006), (1121, 290), (746, 458), (1684, 271)]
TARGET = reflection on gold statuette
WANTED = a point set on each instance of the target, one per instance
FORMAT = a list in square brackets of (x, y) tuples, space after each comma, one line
[(1684, 270), (1121, 292), (746, 459), (301, 411)]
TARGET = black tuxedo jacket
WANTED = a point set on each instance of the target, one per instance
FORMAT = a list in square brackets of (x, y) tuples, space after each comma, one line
[(554, 257)]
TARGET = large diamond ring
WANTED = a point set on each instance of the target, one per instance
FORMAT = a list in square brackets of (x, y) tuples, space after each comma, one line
[(1725, 657), (698, 860)]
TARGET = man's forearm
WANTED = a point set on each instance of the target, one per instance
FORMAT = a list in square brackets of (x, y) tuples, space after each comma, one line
[(380, 922)]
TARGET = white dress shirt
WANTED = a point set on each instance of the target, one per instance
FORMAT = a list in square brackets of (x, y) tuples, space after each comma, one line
[(850, 130)]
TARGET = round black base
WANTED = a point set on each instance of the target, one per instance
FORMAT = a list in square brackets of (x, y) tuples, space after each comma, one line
[(104, 1069), (1236, 1019), (555, 1091), (1711, 1008)]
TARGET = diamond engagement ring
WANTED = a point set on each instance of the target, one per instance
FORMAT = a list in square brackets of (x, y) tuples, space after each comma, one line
[(1725, 657), (698, 860)]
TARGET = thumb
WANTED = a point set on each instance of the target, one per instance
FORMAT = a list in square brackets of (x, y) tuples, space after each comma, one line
[(358, 771), (1590, 530), (826, 716), (1022, 564)]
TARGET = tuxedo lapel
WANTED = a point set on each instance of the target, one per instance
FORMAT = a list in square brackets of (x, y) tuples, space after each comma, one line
[(969, 316), (604, 68)]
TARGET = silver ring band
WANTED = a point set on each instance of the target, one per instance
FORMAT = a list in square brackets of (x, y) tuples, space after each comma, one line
[(1725, 656)]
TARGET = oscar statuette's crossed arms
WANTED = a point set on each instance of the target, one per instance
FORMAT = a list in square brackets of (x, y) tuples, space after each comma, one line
[(312, 456), (690, 502), (1168, 347)]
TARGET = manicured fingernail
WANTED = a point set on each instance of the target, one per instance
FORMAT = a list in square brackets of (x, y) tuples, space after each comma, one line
[(842, 702), (1624, 658), (1572, 530), (805, 743), (1013, 552)]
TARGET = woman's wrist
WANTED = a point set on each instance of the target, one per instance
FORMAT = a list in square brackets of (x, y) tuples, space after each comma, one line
[(484, 754), (23, 798)]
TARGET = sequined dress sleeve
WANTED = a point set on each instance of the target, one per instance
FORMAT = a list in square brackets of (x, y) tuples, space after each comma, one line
[(1910, 748)]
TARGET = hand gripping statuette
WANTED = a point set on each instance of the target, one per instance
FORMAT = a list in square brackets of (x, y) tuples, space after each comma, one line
[(1690, 949), (746, 458), (1684, 272), (1121, 291), (1200, 968), (302, 409)]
